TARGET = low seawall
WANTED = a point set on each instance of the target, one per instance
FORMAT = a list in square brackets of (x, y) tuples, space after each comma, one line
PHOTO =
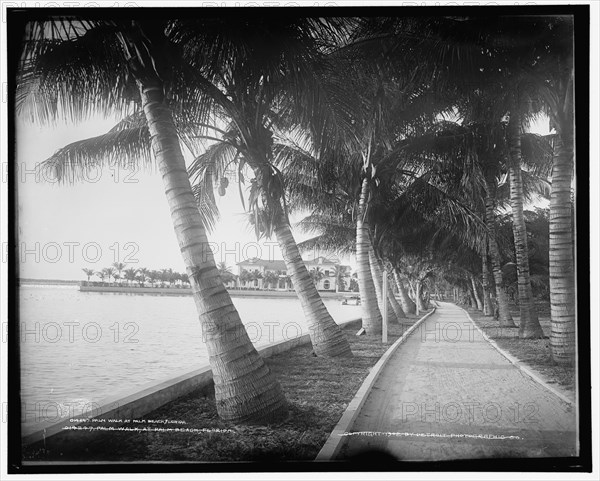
[(137, 402), (186, 291)]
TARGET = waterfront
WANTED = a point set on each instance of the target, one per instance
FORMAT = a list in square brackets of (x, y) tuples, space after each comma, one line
[(78, 348)]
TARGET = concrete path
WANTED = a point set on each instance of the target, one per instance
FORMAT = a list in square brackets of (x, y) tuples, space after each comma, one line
[(447, 394)]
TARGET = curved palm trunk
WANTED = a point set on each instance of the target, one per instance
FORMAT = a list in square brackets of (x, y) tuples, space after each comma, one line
[(562, 266), (377, 274), (395, 304), (471, 292), (485, 281), (371, 315), (476, 293), (392, 297), (245, 389), (326, 336), (529, 325), (408, 306), (505, 318)]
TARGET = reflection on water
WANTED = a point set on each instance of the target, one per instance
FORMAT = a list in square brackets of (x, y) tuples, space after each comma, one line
[(78, 348)]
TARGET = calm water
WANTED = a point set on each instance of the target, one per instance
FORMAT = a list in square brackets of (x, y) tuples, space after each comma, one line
[(78, 348)]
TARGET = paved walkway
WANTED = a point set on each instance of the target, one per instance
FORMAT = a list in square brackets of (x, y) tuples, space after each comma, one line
[(446, 394)]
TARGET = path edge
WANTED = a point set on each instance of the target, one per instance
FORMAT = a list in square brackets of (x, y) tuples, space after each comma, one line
[(334, 442), (519, 365)]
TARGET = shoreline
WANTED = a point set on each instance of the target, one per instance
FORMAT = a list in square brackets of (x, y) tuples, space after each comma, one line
[(317, 389), (186, 291)]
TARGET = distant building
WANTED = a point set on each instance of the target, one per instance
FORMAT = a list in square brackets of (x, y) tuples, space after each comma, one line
[(272, 274), (261, 274)]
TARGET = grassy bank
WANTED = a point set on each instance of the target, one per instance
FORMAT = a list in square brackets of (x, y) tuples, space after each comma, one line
[(535, 353), (318, 391)]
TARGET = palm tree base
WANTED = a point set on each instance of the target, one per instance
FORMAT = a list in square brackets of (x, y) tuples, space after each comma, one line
[(268, 406), (328, 340)]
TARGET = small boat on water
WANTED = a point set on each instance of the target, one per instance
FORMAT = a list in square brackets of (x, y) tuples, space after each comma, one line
[(351, 301)]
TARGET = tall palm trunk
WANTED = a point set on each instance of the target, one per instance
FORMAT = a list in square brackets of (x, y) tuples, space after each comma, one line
[(529, 325), (485, 281), (471, 292), (562, 266), (505, 318), (326, 336), (245, 389), (417, 292), (371, 315), (408, 306), (377, 274), (421, 302), (391, 296), (476, 293)]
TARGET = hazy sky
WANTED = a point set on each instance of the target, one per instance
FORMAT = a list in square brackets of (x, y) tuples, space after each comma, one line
[(114, 215)]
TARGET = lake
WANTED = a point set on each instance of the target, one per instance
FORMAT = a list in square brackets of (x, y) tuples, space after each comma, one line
[(78, 348)]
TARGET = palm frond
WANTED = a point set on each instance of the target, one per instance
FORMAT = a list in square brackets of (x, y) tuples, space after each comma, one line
[(76, 77), (126, 148)]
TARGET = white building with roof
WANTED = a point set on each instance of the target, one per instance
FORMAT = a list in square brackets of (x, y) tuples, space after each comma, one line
[(259, 272)]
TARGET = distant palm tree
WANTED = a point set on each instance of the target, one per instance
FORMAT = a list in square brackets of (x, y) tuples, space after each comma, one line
[(225, 272), (119, 267), (340, 272), (109, 272), (255, 276), (245, 277), (88, 272), (130, 274), (271, 279), (101, 275), (166, 275), (153, 276), (143, 274), (317, 275)]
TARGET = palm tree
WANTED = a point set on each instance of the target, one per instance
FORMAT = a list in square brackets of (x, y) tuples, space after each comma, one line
[(113, 60), (101, 275), (396, 307), (225, 272), (271, 279), (119, 266), (255, 277), (558, 96), (143, 274), (130, 274), (377, 273), (371, 320), (475, 290), (245, 277), (153, 276), (485, 281), (408, 305), (166, 275), (109, 272), (265, 84), (340, 273), (529, 326), (316, 275), (88, 272)]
